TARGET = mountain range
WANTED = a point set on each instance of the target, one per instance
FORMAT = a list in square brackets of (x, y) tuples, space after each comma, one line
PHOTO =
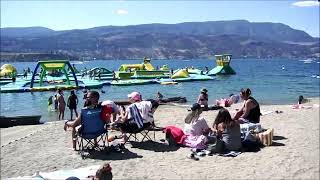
[(189, 40)]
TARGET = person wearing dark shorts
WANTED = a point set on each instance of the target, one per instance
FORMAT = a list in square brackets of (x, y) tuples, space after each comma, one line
[(72, 104)]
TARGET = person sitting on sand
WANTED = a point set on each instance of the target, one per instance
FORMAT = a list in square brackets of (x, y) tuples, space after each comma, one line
[(228, 101), (93, 99), (203, 98), (196, 128), (227, 132), (250, 112), (301, 100)]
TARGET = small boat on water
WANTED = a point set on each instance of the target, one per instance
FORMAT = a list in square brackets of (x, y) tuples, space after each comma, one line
[(6, 121)]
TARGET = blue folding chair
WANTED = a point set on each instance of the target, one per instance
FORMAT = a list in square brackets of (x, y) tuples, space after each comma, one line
[(92, 131)]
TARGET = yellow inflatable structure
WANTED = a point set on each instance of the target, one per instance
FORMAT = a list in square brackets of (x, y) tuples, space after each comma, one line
[(131, 67), (148, 66), (165, 68), (182, 73), (7, 70)]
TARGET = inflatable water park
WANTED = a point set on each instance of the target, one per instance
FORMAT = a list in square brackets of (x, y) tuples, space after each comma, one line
[(50, 75)]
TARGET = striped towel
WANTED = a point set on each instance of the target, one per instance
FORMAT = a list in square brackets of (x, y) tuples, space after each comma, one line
[(136, 116)]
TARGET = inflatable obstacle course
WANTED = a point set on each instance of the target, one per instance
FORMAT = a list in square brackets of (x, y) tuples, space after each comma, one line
[(8, 70), (58, 66), (141, 71), (223, 65)]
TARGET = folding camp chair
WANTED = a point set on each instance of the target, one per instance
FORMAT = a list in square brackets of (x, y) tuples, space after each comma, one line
[(92, 131), (144, 131)]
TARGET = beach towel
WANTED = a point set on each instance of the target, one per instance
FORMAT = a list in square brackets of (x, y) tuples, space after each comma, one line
[(135, 115), (299, 106), (81, 173)]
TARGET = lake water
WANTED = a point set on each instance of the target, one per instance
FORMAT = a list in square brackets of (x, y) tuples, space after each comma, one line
[(276, 81)]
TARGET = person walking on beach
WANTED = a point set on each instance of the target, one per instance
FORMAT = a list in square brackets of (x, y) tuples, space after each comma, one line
[(61, 104), (72, 104)]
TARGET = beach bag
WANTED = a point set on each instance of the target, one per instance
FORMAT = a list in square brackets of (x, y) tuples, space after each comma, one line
[(174, 135)]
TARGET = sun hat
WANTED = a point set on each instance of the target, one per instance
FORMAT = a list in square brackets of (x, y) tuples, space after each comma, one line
[(135, 96), (204, 90), (195, 106)]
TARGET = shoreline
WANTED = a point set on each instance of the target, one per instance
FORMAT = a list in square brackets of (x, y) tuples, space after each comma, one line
[(293, 154)]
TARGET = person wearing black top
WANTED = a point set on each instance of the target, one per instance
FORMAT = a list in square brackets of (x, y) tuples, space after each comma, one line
[(250, 112)]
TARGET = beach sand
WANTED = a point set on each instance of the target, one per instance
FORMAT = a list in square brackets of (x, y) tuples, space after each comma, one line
[(294, 153)]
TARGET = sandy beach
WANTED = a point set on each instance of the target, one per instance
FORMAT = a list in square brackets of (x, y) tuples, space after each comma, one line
[(294, 153)]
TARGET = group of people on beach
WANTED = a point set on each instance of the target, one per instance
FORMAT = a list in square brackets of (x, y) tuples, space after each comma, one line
[(225, 134), (137, 115)]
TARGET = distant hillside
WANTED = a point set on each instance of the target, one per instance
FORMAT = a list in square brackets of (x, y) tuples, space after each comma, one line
[(166, 41), (26, 32)]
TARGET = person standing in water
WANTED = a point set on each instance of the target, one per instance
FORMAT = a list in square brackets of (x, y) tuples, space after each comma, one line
[(72, 104), (61, 104)]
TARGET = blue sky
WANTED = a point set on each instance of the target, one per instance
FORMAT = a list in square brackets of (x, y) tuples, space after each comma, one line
[(63, 15)]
